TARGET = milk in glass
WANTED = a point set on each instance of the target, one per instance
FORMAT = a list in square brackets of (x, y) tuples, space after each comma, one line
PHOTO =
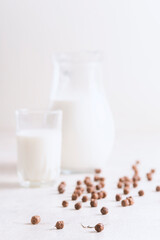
[(39, 153)]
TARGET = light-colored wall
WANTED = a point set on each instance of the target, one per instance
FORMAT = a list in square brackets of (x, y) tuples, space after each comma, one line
[(128, 31)]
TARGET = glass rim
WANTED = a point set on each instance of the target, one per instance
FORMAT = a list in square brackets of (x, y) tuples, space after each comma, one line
[(37, 111), (78, 56)]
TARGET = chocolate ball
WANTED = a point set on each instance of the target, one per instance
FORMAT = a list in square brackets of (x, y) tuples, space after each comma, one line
[(84, 199), (99, 227), (78, 205), (74, 196), (59, 225), (65, 203), (126, 190), (97, 170), (104, 210), (141, 193), (158, 188), (118, 197), (35, 219), (125, 203), (93, 203)]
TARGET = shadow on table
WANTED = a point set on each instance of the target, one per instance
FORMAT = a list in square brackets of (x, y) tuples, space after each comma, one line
[(7, 168), (8, 185)]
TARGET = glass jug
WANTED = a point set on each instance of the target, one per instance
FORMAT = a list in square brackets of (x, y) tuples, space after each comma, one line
[(87, 129)]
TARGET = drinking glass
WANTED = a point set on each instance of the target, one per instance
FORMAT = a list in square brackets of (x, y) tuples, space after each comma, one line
[(38, 146)]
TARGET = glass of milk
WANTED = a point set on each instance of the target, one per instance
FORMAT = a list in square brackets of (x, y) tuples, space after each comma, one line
[(38, 146)]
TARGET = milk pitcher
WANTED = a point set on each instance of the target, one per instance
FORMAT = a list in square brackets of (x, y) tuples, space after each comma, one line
[(87, 129)]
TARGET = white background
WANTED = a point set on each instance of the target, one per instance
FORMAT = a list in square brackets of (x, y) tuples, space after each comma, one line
[(128, 31)]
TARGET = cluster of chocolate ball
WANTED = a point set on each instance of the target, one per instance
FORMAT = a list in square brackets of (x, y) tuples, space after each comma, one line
[(126, 182), (94, 188)]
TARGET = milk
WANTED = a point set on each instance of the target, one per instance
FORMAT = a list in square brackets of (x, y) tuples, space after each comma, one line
[(88, 132), (39, 153)]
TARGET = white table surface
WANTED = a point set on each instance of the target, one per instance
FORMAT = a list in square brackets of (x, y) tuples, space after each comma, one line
[(140, 221)]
